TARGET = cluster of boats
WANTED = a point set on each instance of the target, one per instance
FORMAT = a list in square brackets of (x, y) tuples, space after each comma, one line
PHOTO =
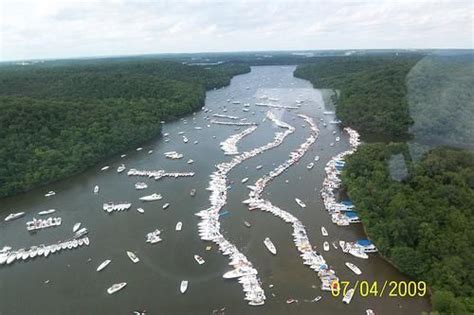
[(111, 206), (276, 106), (311, 257), (230, 123), (9, 256), (229, 146), (38, 224), (225, 116), (158, 174), (209, 227), (153, 237)]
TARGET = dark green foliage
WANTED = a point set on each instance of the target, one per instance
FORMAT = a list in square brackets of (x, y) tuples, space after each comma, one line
[(58, 119), (372, 91), (424, 223)]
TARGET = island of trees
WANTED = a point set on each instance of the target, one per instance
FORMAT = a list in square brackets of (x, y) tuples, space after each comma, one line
[(59, 118), (417, 209)]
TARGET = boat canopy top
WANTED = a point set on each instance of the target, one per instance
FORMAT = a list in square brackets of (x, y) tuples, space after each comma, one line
[(351, 214), (364, 242)]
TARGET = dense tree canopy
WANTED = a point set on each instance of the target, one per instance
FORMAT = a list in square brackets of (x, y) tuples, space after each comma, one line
[(372, 96), (59, 118)]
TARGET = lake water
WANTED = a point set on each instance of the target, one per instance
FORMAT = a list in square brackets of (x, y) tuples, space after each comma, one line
[(75, 287)]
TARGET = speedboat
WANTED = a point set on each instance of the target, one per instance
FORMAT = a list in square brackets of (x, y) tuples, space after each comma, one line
[(323, 231), (270, 246), (105, 168), (185, 139), (121, 168), (76, 227), (316, 158), (46, 212), (316, 299), (104, 264), (96, 189), (245, 180), (358, 253), (300, 203), (199, 259), (326, 246), (116, 287), (348, 296), (190, 161), (50, 193), (338, 139), (151, 197), (184, 286), (166, 205), (259, 167), (247, 224), (354, 268), (310, 165), (192, 192), (133, 257), (369, 312), (140, 185), (179, 225), (139, 149), (140, 210), (13, 216)]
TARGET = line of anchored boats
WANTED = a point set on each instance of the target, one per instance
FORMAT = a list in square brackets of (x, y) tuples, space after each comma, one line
[(229, 146)]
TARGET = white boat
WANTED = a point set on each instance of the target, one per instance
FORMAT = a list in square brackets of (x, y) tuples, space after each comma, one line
[(179, 226), (342, 244), (338, 139), (96, 189), (150, 151), (316, 299), (104, 264), (270, 246), (259, 167), (105, 168), (326, 246), (185, 139), (13, 216), (245, 180), (133, 257), (192, 192), (116, 287), (199, 259), (76, 227), (247, 224), (190, 161), (300, 203), (139, 149), (348, 296), (140, 185), (140, 210), (310, 165), (184, 286), (324, 232), (316, 158), (121, 168), (369, 312), (166, 205), (354, 268), (50, 193), (151, 197), (46, 212)]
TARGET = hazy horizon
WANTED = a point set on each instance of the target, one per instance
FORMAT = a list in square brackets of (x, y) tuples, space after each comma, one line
[(54, 29)]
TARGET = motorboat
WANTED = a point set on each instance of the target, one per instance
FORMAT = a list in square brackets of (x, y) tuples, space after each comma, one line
[(104, 264), (354, 268), (50, 193), (244, 180), (310, 165), (185, 139), (153, 237), (150, 151), (123, 155), (348, 296), (338, 139), (259, 167), (179, 226), (140, 186), (184, 286), (334, 244), (116, 287), (270, 246), (190, 161), (247, 224), (358, 253), (46, 212), (121, 168), (139, 149), (291, 301), (316, 299), (300, 203), (96, 189), (133, 257), (369, 312), (76, 227), (105, 168), (324, 232), (151, 197), (166, 205), (326, 246), (199, 259), (140, 210), (192, 192), (316, 158), (13, 216)]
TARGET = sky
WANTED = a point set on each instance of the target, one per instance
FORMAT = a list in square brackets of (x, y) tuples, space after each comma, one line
[(45, 29)]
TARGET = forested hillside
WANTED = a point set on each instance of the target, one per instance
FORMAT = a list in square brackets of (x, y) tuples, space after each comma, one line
[(57, 119), (373, 96), (422, 223)]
